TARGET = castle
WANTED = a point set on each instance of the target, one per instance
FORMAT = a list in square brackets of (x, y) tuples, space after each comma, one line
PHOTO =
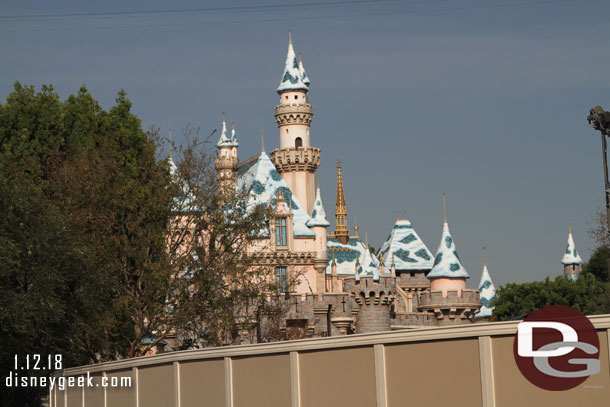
[(341, 286)]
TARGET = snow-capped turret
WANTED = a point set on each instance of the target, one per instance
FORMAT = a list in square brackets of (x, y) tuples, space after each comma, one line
[(318, 215), (571, 259), (226, 159), (225, 140), (447, 272), (292, 78), (487, 291)]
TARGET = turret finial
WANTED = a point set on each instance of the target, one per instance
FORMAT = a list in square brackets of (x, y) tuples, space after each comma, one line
[(404, 213), (444, 208), (290, 36), (484, 256), (170, 142), (366, 236), (262, 141), (397, 214), (570, 226)]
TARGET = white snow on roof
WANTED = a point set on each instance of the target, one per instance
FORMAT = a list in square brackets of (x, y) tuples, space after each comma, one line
[(410, 253), (447, 263), (262, 181), (488, 293), (318, 215), (571, 256), (304, 76), (292, 78), (225, 140), (347, 255)]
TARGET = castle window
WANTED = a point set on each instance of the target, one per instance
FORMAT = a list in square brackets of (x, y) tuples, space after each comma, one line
[(280, 279), (296, 97), (280, 232), (298, 142)]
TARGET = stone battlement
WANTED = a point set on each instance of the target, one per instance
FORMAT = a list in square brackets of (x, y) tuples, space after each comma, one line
[(456, 306), (293, 114)]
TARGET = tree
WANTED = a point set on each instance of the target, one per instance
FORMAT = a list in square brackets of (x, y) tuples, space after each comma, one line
[(598, 264), (517, 299)]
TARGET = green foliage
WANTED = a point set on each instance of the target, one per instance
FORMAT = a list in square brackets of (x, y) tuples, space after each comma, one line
[(101, 248), (598, 264), (587, 294)]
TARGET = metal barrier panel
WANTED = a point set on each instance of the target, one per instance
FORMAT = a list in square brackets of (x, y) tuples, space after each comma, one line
[(261, 381), (442, 373), (338, 377), (156, 385), (94, 396), (512, 389), (463, 365), (202, 383)]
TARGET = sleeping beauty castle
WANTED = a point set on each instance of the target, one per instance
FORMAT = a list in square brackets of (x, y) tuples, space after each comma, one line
[(333, 283)]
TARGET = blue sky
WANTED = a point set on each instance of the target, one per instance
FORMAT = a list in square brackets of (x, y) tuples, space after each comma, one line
[(484, 100)]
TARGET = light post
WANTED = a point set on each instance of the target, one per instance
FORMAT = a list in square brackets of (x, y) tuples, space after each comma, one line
[(600, 120)]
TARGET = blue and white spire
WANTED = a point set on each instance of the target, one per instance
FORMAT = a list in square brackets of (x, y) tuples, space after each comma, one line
[(368, 265), (447, 263), (318, 215), (406, 248), (225, 140), (487, 290), (292, 78), (571, 256)]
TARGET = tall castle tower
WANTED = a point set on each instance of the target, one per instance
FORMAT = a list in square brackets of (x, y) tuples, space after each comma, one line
[(296, 160), (226, 158)]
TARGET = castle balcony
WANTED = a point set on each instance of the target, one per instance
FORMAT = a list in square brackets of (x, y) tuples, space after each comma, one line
[(293, 114), (296, 159)]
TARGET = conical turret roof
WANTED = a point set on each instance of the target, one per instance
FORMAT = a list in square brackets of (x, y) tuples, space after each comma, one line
[(292, 78), (488, 293), (571, 256), (406, 247), (225, 140), (369, 265), (446, 262), (318, 215)]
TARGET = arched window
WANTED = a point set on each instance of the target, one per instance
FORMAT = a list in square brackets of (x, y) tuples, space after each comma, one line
[(298, 142)]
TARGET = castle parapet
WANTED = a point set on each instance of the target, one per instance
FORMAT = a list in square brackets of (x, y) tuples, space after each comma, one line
[(457, 305), (296, 159)]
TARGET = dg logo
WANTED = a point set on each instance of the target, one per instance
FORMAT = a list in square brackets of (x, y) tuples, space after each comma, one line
[(556, 348)]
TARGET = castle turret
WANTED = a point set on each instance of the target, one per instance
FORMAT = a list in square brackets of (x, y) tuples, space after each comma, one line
[(318, 224), (487, 292), (571, 259), (296, 160), (448, 297), (226, 159)]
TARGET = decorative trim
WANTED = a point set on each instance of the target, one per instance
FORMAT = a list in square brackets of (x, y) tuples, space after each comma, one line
[(335, 342)]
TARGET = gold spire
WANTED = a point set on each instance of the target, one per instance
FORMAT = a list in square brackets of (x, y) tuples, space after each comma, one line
[(341, 231)]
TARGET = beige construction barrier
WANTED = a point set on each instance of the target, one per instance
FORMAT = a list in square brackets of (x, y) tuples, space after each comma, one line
[(450, 366)]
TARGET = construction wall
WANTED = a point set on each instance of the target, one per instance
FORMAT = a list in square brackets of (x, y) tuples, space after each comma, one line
[(462, 365)]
